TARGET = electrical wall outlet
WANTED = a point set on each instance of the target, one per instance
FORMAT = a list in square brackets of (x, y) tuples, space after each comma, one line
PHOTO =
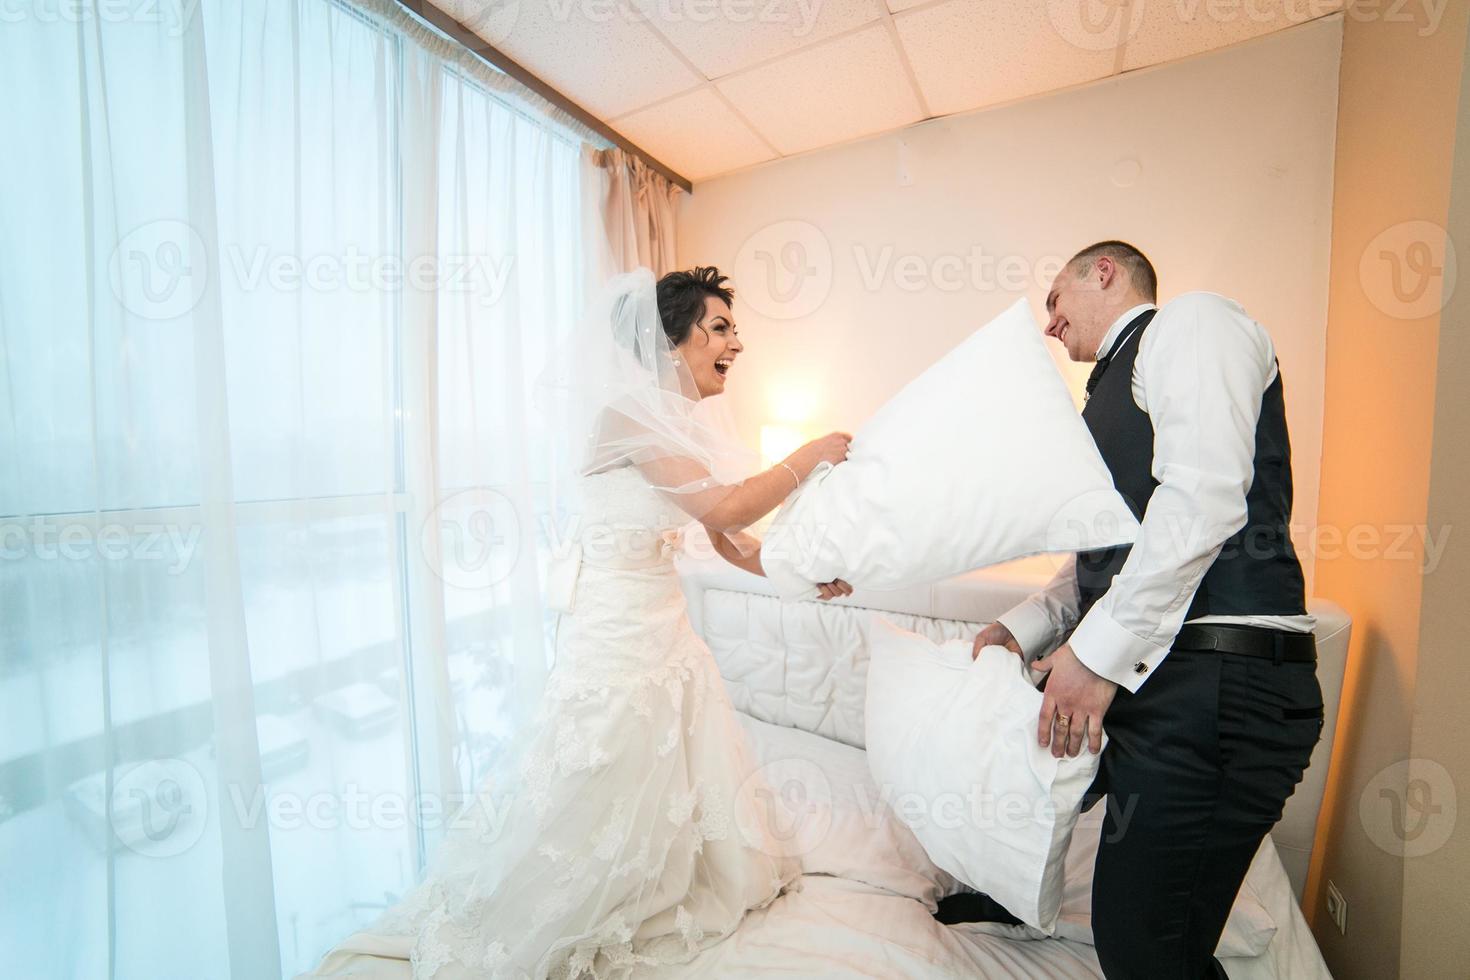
[(1336, 907)]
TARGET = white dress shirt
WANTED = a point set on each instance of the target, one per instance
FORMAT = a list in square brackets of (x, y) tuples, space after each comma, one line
[(1202, 368)]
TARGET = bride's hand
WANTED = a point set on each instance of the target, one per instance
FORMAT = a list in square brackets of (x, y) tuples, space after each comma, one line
[(833, 589), (996, 635), (830, 448)]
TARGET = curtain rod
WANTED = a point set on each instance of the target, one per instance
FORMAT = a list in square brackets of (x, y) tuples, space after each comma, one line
[(485, 51)]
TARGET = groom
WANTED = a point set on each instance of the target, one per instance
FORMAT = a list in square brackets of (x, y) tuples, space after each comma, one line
[(1193, 648)]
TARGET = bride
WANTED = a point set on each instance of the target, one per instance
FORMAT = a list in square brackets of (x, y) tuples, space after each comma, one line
[(631, 834)]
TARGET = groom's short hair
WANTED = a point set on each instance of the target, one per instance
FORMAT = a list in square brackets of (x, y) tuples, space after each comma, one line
[(1140, 269)]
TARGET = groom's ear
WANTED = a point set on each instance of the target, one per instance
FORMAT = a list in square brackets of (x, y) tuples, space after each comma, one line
[(1105, 269)]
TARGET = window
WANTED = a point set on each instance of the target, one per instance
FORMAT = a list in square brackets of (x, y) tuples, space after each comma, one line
[(268, 337)]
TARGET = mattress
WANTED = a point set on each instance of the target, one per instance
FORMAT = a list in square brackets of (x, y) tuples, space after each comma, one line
[(839, 926)]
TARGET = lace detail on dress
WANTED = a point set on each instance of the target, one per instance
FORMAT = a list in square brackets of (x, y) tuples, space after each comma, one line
[(569, 752), (640, 861), (713, 823), (497, 957), (688, 928), (681, 807), (605, 845), (430, 953)]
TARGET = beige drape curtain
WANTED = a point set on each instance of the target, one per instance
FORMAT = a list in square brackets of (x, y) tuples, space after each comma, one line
[(628, 214)]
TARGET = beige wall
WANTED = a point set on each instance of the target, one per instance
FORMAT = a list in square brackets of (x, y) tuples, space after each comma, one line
[(1267, 171), (1435, 940), (1400, 87), (1219, 167)]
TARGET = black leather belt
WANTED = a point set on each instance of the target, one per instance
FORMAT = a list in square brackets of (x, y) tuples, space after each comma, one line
[(1248, 641)]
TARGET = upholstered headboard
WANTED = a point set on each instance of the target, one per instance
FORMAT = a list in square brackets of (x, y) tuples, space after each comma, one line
[(804, 664)]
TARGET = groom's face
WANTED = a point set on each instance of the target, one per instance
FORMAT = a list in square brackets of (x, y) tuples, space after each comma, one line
[(1078, 314)]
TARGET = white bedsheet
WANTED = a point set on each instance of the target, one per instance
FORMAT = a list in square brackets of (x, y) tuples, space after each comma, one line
[(838, 927), (835, 927)]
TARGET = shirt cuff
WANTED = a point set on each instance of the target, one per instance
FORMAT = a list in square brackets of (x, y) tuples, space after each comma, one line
[(1110, 651), (1032, 627)]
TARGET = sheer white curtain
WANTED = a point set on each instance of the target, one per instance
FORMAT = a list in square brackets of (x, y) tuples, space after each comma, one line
[(273, 279)]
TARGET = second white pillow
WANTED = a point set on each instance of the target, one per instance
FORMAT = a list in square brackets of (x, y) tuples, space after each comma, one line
[(952, 742)]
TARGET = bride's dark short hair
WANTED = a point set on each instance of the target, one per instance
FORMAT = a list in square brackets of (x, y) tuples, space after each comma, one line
[(681, 298)]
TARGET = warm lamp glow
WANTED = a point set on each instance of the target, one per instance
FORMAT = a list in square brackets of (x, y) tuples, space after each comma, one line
[(792, 404), (778, 442)]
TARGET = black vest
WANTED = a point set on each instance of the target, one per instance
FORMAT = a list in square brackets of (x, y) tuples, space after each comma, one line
[(1257, 572)]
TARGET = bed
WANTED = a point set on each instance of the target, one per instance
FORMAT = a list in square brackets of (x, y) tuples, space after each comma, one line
[(796, 672)]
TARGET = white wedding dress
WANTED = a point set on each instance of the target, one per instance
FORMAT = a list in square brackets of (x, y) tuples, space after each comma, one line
[(637, 833)]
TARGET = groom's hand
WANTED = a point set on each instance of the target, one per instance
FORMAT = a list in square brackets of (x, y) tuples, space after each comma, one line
[(1073, 704), (996, 635)]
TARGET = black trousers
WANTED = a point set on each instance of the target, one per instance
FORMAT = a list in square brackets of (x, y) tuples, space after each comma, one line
[(1197, 768)]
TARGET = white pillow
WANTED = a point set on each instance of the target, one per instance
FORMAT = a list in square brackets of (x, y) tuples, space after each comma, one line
[(955, 742), (1248, 930), (836, 819), (981, 459)]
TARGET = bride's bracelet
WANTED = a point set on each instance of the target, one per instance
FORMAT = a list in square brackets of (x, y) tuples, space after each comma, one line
[(793, 474)]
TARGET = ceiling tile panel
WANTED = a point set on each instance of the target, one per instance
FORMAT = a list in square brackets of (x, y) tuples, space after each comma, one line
[(601, 54), (803, 74), (972, 53), (835, 91), (696, 134), (725, 36), (1168, 31)]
